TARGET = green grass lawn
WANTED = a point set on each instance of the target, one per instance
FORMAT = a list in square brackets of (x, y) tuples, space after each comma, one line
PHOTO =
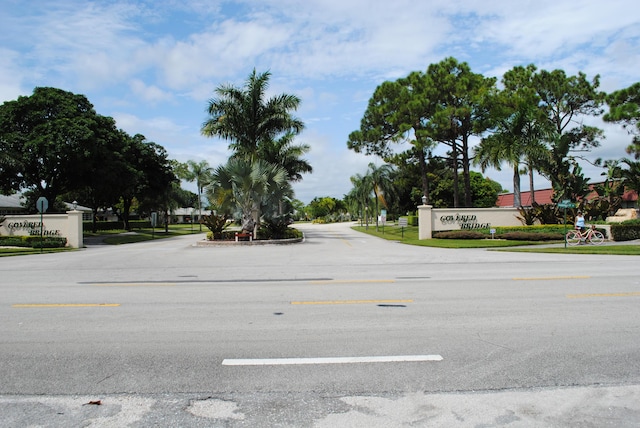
[(410, 236), (613, 249), (395, 233), (118, 237)]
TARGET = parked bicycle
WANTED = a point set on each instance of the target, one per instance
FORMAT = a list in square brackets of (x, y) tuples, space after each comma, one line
[(591, 236)]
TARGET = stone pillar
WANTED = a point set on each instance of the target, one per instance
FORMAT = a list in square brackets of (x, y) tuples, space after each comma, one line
[(425, 221), (74, 229)]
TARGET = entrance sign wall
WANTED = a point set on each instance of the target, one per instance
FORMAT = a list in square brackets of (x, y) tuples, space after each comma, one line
[(67, 225), (440, 219)]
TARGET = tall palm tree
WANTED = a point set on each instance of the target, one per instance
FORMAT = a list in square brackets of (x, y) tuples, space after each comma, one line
[(248, 120), (381, 182), (284, 153), (199, 172), (518, 138), (361, 192)]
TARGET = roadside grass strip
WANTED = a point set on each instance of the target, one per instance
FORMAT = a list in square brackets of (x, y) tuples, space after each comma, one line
[(330, 360)]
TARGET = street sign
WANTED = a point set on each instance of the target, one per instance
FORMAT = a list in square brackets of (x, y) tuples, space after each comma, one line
[(402, 221), (566, 203), (42, 204)]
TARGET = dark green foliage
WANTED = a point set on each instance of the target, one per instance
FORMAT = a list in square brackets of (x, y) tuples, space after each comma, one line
[(216, 223), (459, 234), (524, 233), (548, 214), (626, 231), (548, 229), (527, 216), (32, 241), (274, 228)]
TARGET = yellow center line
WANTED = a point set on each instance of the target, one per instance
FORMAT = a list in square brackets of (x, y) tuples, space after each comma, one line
[(136, 284), (548, 278), (353, 281), (586, 296), (349, 302), (64, 305)]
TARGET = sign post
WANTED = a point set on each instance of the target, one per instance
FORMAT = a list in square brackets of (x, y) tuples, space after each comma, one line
[(566, 203), (42, 204), (402, 222)]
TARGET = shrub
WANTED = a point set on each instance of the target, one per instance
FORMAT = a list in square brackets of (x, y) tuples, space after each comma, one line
[(216, 223), (459, 234), (626, 231), (33, 241), (274, 228), (542, 228)]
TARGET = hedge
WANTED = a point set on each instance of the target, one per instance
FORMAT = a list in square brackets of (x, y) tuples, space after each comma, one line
[(518, 234), (626, 231), (33, 241)]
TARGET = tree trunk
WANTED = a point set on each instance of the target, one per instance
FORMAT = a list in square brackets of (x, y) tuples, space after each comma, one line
[(531, 189), (517, 197), (468, 203), (454, 166), (126, 207)]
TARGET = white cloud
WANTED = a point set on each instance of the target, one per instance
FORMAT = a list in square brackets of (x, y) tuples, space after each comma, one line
[(10, 76), (332, 164), (151, 93), (153, 64)]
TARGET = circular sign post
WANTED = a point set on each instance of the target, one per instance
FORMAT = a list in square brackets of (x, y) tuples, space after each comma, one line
[(42, 204)]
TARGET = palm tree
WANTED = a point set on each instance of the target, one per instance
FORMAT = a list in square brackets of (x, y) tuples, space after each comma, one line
[(247, 120), (200, 173), (382, 184), (517, 140), (253, 184), (284, 153), (361, 192)]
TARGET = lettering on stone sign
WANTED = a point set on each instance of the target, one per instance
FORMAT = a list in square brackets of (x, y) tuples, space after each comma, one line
[(466, 222), (32, 228)]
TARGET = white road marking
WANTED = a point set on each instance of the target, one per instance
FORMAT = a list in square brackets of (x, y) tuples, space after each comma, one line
[(329, 360)]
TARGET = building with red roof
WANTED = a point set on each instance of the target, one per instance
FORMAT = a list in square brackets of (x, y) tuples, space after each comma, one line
[(543, 196)]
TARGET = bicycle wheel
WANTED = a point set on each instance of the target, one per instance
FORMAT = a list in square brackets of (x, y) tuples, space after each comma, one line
[(596, 238), (573, 237)]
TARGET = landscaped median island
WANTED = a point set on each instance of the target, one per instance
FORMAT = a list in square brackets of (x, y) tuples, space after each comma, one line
[(544, 238)]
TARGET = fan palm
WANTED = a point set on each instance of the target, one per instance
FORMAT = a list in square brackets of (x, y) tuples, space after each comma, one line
[(253, 185)]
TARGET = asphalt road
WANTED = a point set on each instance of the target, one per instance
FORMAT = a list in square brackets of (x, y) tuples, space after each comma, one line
[(341, 330)]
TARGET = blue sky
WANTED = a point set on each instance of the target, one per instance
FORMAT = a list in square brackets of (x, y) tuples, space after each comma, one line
[(153, 64)]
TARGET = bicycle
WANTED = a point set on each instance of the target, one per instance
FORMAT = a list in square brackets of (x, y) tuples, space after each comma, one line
[(591, 236)]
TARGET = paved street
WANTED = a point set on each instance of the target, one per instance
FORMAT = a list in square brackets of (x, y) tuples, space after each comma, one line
[(343, 329)]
